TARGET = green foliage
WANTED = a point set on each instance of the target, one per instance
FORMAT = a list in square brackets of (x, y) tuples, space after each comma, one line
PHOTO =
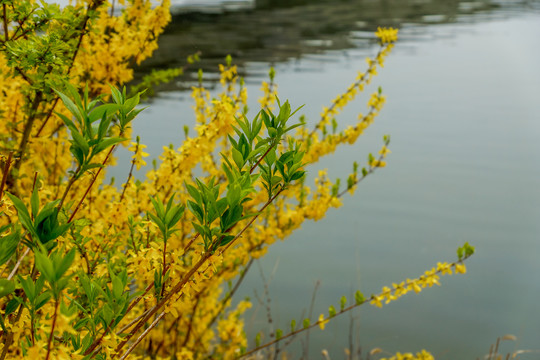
[(44, 224)]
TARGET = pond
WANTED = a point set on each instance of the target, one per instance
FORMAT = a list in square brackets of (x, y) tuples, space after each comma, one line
[(463, 111)]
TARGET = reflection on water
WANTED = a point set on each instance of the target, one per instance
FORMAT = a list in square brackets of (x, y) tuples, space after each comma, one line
[(284, 30)]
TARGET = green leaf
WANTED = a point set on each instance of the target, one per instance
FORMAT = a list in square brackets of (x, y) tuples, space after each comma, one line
[(64, 263), (238, 158), (12, 305), (34, 201), (177, 213), (117, 287), (279, 334), (202, 230), (80, 142), (272, 132), (70, 105), (42, 299), (306, 323), (158, 207), (24, 216), (342, 302), (45, 267), (193, 192), (103, 111), (233, 194), (28, 287), (359, 297), (67, 121), (6, 287), (297, 175), (107, 143), (331, 311), (8, 243), (195, 210), (159, 223), (460, 252)]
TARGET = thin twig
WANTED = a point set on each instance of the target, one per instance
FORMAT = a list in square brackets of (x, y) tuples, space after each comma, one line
[(6, 30), (52, 329), (16, 267), (178, 287), (310, 315), (343, 311), (142, 336), (5, 174), (91, 183)]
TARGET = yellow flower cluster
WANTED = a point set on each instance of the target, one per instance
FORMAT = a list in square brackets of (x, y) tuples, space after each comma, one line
[(321, 147), (228, 77), (387, 35), (198, 320), (428, 279), (268, 99), (138, 155), (363, 79), (201, 96), (108, 52), (422, 355)]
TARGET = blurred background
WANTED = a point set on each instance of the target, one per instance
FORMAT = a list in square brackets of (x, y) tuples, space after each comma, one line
[(463, 111)]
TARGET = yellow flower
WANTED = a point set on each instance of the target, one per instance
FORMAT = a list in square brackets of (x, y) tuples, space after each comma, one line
[(377, 300), (139, 154), (413, 285), (386, 35), (444, 268), (460, 268), (384, 151), (322, 322)]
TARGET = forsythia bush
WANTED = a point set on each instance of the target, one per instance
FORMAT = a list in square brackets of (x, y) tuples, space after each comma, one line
[(95, 271)]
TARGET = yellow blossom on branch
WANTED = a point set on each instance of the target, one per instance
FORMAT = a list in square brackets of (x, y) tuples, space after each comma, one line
[(386, 35), (322, 321)]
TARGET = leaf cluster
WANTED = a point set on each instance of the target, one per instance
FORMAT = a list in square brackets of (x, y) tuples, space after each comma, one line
[(91, 129)]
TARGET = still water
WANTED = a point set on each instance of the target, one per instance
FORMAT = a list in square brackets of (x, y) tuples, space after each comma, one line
[(463, 111)]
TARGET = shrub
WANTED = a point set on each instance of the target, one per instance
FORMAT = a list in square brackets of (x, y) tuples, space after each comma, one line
[(90, 270)]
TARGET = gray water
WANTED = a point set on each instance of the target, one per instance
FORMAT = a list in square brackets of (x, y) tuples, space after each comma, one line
[(463, 109)]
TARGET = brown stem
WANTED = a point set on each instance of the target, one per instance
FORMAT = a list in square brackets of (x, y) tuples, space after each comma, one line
[(370, 171), (190, 326), (178, 287), (27, 129), (16, 267), (261, 159), (164, 267), (143, 335), (52, 329), (223, 304), (9, 338), (191, 242), (6, 31), (5, 174), (91, 183), (127, 181), (68, 187), (318, 322), (49, 114)]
